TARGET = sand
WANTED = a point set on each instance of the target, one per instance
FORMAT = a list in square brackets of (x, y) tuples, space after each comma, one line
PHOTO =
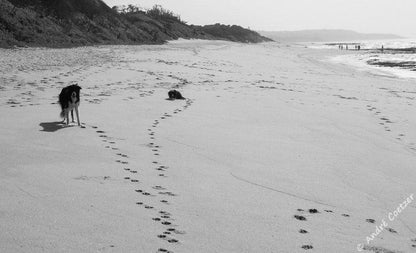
[(274, 149)]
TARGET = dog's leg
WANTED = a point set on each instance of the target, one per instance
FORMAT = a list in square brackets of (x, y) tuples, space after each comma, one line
[(77, 113), (72, 115), (67, 116)]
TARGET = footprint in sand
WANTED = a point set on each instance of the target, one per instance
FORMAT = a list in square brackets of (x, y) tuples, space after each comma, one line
[(173, 230), (167, 193), (414, 241), (370, 220), (299, 217), (163, 250), (306, 247), (391, 230), (303, 231)]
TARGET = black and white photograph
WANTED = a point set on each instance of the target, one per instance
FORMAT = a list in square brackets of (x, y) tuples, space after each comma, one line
[(196, 126)]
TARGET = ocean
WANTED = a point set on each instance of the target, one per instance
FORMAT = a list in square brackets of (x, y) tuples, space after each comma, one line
[(386, 57)]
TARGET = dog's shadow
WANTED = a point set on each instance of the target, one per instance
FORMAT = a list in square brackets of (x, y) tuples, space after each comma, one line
[(52, 126)]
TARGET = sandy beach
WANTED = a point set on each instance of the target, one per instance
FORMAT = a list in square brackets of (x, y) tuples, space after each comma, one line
[(274, 149)]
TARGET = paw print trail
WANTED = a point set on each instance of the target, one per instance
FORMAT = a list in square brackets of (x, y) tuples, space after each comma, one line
[(169, 229)]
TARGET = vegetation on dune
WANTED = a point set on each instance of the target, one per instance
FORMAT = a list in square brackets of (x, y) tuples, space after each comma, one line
[(66, 23), (233, 33)]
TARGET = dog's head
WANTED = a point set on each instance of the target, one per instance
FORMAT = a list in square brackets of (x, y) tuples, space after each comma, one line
[(69, 94), (74, 92)]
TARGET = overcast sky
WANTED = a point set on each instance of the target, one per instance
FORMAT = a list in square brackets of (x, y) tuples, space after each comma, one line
[(368, 16)]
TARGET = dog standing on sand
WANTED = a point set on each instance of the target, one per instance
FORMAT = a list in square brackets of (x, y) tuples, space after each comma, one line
[(69, 100)]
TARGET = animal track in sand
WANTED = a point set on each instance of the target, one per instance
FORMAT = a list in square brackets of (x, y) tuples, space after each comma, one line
[(303, 231), (174, 230), (387, 123), (299, 217), (167, 193), (370, 220), (165, 217), (124, 162), (391, 230), (306, 247), (164, 250)]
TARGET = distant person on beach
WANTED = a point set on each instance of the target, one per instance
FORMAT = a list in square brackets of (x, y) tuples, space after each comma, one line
[(382, 48)]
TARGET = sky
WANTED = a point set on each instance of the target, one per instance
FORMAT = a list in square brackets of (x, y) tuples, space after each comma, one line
[(367, 16)]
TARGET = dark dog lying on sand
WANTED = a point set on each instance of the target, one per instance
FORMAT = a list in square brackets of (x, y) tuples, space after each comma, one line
[(174, 94), (69, 100)]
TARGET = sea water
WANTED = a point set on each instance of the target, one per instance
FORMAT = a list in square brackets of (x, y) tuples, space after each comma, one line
[(389, 57)]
